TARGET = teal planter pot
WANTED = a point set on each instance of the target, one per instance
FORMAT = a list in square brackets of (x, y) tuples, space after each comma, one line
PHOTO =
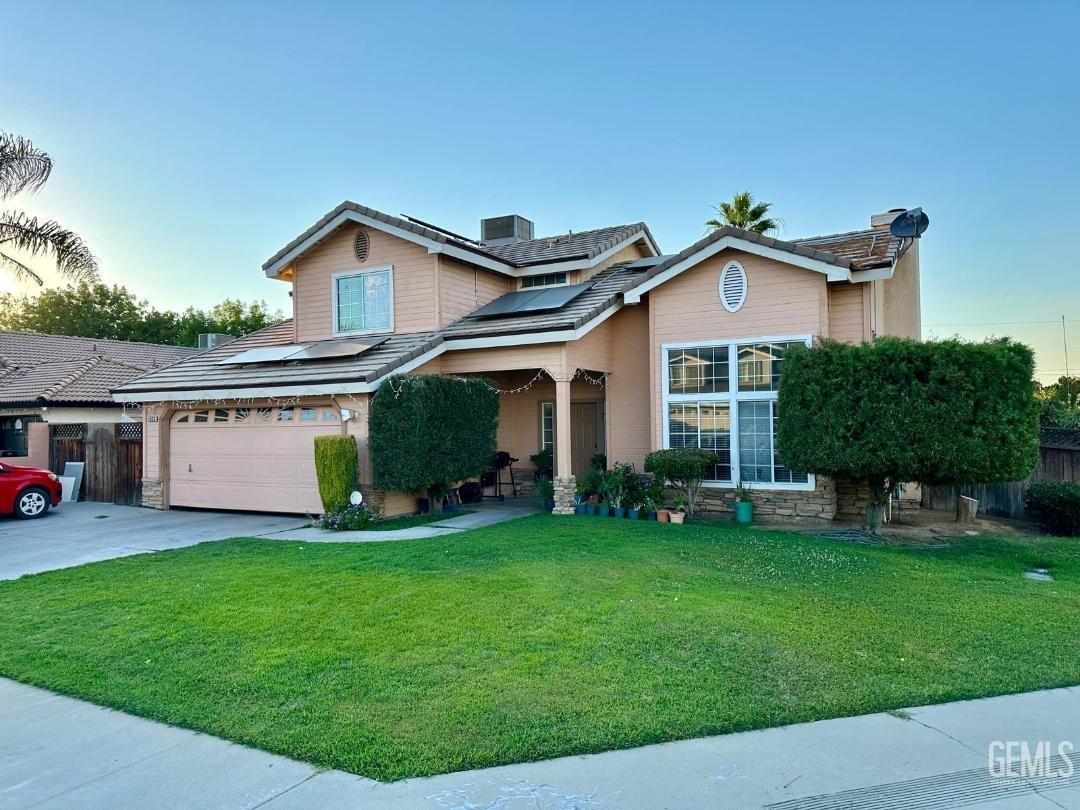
[(633, 514), (581, 509), (618, 512), (744, 512), (590, 509), (650, 516), (603, 510)]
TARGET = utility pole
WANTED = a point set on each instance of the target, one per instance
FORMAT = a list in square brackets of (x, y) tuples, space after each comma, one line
[(1068, 379)]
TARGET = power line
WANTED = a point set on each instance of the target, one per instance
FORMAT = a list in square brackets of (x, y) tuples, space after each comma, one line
[(1001, 323)]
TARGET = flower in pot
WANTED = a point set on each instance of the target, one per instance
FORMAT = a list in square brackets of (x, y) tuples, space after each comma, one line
[(678, 511), (744, 507)]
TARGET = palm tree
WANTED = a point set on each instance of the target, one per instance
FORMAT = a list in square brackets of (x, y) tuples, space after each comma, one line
[(743, 212), (26, 168)]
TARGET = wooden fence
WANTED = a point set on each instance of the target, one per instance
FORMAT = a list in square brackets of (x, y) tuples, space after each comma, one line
[(1006, 498), (112, 454)]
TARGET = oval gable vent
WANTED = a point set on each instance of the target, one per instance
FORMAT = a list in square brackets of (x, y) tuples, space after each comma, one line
[(733, 287), (361, 245)]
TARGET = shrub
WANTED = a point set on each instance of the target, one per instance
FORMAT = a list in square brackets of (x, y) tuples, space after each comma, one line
[(591, 484), (896, 410), (1055, 506), (349, 519), (544, 461), (431, 430), (545, 489), (683, 469), (336, 469)]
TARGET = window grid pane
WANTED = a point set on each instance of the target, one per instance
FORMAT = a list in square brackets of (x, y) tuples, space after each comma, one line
[(755, 441), (364, 302), (547, 425), (760, 365), (706, 425), (698, 371)]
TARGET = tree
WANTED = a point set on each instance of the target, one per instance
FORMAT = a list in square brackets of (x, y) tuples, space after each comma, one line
[(896, 410), (428, 432), (100, 311), (743, 212), (23, 167), (1059, 403)]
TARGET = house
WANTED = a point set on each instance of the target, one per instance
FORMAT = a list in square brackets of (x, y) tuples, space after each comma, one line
[(598, 342), (61, 380)]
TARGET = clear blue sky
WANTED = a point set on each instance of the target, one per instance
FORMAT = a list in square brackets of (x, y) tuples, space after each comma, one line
[(193, 140)]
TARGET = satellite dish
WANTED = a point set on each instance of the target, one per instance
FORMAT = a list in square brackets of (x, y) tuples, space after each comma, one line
[(910, 224), (356, 498)]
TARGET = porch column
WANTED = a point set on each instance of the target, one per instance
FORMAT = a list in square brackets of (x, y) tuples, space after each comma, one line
[(564, 482)]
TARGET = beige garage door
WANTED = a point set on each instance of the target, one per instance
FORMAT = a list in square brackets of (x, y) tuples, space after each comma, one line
[(248, 458)]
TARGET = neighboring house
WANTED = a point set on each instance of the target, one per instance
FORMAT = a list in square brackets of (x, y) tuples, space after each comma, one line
[(57, 379), (600, 343)]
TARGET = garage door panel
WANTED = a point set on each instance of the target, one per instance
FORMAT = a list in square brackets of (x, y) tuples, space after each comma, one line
[(264, 467)]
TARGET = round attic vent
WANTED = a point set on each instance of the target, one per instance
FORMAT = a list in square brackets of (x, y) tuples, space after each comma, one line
[(361, 245), (733, 287)]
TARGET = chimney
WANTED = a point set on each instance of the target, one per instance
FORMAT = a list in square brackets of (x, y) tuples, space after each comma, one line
[(505, 230), (882, 221)]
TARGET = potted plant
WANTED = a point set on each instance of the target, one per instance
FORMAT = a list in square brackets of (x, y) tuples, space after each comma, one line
[(545, 490), (648, 508), (603, 509), (663, 515), (744, 507), (544, 461), (678, 510), (633, 510)]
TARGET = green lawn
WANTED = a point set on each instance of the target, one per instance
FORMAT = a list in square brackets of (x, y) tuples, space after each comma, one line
[(541, 637)]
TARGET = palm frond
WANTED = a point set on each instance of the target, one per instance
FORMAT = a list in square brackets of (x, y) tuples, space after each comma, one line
[(22, 166), (20, 231), (19, 270)]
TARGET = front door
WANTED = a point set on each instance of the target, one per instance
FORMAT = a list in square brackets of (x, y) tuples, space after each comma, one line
[(584, 436)]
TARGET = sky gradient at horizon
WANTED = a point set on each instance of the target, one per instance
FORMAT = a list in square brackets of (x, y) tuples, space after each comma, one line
[(193, 141)]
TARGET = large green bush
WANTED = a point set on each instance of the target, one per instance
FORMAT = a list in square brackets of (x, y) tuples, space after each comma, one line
[(431, 431), (896, 410), (683, 468), (337, 470), (1056, 506)]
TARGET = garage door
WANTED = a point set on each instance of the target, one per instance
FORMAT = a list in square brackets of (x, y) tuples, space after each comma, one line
[(248, 458)]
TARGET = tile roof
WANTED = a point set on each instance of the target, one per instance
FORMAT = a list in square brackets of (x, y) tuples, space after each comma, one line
[(203, 372), (1060, 438), (39, 368), (863, 249), (584, 244)]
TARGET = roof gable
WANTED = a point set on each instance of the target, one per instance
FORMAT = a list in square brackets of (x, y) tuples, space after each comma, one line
[(583, 249)]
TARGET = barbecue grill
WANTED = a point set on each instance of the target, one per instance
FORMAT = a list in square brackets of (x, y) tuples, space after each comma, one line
[(493, 479)]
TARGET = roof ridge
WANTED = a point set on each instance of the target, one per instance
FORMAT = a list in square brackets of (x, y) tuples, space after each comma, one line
[(21, 332), (867, 231), (84, 367)]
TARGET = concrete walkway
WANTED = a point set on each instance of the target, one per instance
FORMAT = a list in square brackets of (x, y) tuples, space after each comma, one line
[(483, 516), (56, 752)]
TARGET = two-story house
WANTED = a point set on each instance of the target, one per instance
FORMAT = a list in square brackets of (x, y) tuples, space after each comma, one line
[(598, 342)]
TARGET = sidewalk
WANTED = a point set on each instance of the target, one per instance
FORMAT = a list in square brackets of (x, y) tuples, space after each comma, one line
[(57, 752)]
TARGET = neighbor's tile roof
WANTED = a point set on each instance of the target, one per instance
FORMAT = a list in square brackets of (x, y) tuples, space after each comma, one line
[(39, 368), (1060, 438), (584, 244)]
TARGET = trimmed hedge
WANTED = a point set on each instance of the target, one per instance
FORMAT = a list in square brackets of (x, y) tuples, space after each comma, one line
[(429, 431), (896, 410), (337, 470), (1055, 506), (683, 468)]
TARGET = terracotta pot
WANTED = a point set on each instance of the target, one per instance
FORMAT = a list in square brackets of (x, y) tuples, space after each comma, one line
[(678, 517), (663, 515)]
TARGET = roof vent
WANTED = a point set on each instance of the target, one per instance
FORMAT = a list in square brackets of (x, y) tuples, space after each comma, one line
[(505, 230), (208, 340), (733, 287), (361, 245)]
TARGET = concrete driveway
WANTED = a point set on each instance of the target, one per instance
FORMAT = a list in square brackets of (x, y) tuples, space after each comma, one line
[(77, 533)]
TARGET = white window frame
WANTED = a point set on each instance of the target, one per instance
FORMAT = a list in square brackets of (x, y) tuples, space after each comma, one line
[(365, 271), (732, 396), (564, 283), (543, 446)]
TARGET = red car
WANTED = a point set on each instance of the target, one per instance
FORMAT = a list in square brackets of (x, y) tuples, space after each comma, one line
[(28, 492)]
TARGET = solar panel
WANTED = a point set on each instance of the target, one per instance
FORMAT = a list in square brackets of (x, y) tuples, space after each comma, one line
[(327, 349), (535, 300), (264, 354)]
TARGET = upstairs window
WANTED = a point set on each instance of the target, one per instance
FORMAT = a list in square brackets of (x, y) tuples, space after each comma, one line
[(364, 302), (545, 280)]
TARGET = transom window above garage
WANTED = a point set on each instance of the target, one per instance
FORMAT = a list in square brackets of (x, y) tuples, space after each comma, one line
[(306, 414)]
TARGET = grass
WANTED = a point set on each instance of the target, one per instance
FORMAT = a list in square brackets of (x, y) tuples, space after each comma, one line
[(408, 521), (538, 638)]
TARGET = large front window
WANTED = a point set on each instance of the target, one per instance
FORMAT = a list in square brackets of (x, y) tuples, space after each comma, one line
[(364, 302), (721, 397)]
